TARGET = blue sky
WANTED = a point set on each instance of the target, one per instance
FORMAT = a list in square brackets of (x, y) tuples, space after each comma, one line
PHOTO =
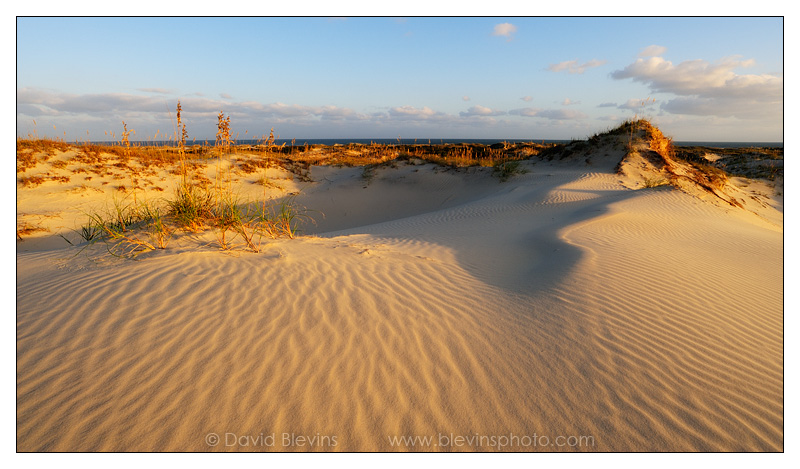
[(713, 79)]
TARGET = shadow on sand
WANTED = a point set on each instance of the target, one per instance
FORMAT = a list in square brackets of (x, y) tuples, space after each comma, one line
[(512, 240)]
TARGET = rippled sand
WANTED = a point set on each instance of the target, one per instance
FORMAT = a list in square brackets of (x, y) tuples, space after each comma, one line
[(430, 303)]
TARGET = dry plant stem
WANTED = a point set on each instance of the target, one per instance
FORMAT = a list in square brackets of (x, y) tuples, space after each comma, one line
[(182, 145), (120, 244)]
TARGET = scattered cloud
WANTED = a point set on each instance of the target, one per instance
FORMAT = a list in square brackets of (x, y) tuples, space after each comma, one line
[(525, 112), (336, 113), (607, 105), (52, 102), (572, 66), (527, 99), (689, 77), (636, 104), (480, 111), (225, 96), (562, 114), (742, 109), (552, 114), (412, 113), (506, 30), (465, 98), (709, 89), (652, 51), (569, 102)]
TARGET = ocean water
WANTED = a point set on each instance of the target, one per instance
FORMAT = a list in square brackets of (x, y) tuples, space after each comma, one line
[(363, 141), (425, 141)]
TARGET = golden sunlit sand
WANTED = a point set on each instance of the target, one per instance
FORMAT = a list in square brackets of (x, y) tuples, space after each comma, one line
[(605, 298)]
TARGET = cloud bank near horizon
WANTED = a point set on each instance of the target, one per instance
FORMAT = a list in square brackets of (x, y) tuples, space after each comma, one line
[(689, 89), (155, 111)]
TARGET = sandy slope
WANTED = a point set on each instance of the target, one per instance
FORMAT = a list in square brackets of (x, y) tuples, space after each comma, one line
[(426, 303)]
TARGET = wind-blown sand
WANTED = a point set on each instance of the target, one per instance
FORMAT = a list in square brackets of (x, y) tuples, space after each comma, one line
[(427, 302)]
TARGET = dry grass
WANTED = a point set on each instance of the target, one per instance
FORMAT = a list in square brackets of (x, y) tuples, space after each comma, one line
[(30, 181), (26, 229), (754, 163), (132, 158)]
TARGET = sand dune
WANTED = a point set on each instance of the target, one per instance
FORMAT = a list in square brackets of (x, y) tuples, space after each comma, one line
[(425, 303)]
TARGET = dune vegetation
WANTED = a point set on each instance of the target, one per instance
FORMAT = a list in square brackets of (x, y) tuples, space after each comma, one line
[(207, 200)]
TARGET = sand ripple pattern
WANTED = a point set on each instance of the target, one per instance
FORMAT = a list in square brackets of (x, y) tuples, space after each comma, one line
[(682, 362), (542, 308), (154, 355)]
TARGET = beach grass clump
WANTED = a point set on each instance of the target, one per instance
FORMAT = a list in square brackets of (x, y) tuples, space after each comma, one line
[(249, 223), (281, 220), (191, 206), (504, 170), (652, 182), (121, 226), (268, 182), (130, 227), (90, 231)]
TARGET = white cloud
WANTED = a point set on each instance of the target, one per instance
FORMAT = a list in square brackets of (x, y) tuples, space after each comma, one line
[(105, 103), (686, 78), (411, 112), (561, 114), (636, 104), (504, 29), (742, 109), (713, 89), (652, 51), (414, 115), (552, 114), (340, 114), (225, 96), (465, 98), (527, 99), (569, 102), (481, 111), (572, 66), (525, 112)]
